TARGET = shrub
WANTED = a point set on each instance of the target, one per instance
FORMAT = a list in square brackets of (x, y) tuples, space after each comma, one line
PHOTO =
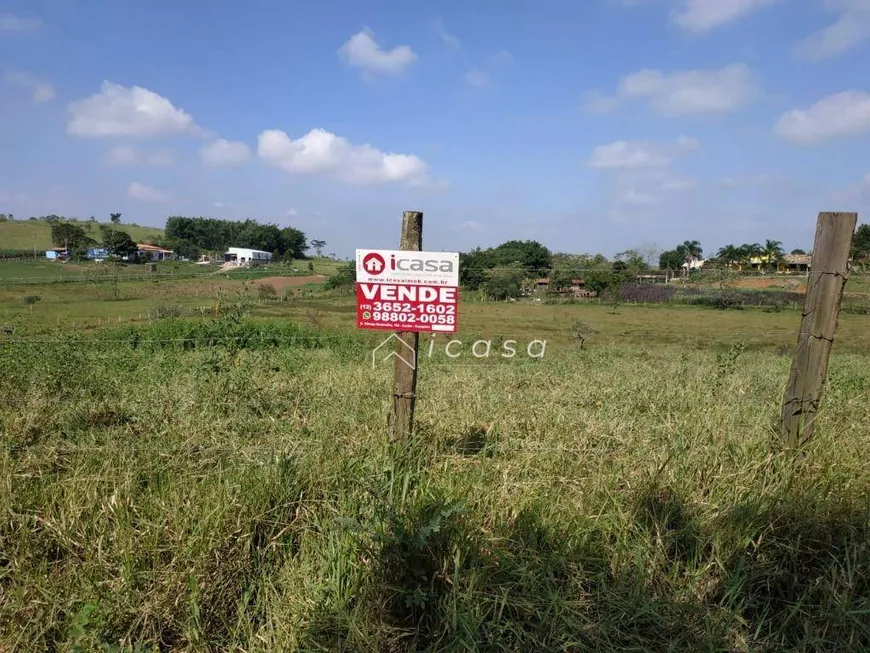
[(646, 293), (266, 291), (343, 278), (162, 311)]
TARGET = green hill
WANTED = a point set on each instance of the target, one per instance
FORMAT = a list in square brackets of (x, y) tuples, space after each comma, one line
[(29, 234)]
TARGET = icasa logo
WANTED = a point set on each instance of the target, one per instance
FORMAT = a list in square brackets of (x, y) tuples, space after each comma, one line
[(374, 263), (420, 265)]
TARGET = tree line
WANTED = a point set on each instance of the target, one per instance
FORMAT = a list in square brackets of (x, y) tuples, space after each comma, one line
[(76, 240), (190, 237), (511, 268)]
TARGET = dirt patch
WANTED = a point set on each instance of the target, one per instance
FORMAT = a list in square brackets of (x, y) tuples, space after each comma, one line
[(760, 283), (280, 283)]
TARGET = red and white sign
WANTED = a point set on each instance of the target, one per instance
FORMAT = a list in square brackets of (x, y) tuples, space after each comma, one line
[(407, 291)]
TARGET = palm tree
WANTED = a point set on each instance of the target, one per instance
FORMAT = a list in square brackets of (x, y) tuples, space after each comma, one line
[(749, 252), (729, 255), (691, 252), (772, 253)]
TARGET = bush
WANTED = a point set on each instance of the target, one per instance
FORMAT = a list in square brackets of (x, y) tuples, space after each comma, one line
[(266, 291), (162, 311), (646, 293), (345, 277)]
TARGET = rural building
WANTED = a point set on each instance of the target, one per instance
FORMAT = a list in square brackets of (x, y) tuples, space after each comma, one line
[(578, 287), (153, 252), (97, 253), (790, 263), (56, 253), (694, 264), (796, 263), (244, 256), (652, 278)]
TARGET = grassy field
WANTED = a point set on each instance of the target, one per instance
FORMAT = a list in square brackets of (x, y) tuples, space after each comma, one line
[(227, 482), (245, 497), (30, 234)]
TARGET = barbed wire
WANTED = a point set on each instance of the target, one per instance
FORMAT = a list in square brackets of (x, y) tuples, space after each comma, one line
[(88, 276)]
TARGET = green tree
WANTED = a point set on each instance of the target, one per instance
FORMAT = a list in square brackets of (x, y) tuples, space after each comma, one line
[(631, 260), (115, 218), (318, 246), (473, 266), (476, 267), (729, 255), (672, 259), (861, 244), (505, 281), (798, 252), (750, 251), (772, 253), (691, 251), (118, 243), (530, 254), (71, 236), (344, 277)]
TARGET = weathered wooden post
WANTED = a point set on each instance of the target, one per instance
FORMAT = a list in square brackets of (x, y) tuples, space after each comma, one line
[(825, 286), (404, 375)]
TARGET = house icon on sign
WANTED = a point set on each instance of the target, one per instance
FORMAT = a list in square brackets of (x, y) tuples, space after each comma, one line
[(374, 263), (407, 355)]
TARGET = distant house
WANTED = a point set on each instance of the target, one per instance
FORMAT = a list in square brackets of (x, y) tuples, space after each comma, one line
[(578, 287), (97, 253), (244, 256), (789, 264), (694, 264), (796, 263), (56, 253), (652, 278), (154, 253)]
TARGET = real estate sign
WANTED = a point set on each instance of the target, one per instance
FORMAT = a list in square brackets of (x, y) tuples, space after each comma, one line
[(407, 291)]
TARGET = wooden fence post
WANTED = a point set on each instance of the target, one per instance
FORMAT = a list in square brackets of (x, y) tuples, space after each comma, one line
[(405, 376), (827, 280)]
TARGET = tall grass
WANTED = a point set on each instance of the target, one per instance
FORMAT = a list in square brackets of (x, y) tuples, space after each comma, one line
[(247, 498)]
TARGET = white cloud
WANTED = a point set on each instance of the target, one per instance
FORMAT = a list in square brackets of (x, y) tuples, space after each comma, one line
[(437, 27), (640, 154), (472, 225), (145, 193), (130, 155), (477, 77), (639, 173), (704, 15), (848, 31), (120, 111), (320, 151), (224, 153), (292, 213), (13, 23), (677, 184), (42, 91), (481, 77), (683, 92), (362, 51), (501, 58), (843, 114), (636, 197)]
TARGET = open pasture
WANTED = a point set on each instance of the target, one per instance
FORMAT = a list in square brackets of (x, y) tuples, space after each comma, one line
[(225, 482)]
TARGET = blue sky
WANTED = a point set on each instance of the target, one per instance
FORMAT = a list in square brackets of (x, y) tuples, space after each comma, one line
[(591, 126)]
